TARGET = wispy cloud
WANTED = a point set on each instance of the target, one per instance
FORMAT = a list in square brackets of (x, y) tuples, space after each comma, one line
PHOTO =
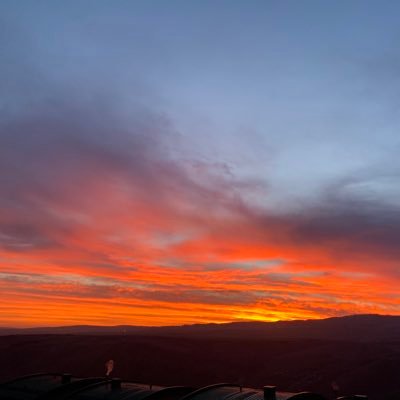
[(109, 214)]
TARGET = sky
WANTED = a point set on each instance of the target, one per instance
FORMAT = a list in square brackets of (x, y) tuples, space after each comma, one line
[(167, 163)]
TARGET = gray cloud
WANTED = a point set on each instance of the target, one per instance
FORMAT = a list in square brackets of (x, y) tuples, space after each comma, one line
[(60, 145)]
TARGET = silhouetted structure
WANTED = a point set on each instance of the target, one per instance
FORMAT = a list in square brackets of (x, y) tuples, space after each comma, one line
[(55, 386)]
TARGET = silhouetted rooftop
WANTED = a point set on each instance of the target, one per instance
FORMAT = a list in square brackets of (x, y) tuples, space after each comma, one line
[(56, 386)]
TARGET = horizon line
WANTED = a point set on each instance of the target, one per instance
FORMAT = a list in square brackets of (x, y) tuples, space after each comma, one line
[(196, 324)]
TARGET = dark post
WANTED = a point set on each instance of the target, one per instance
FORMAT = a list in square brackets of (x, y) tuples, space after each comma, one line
[(269, 392)]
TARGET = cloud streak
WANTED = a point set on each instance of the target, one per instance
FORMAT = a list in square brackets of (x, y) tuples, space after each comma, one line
[(107, 216), (115, 206)]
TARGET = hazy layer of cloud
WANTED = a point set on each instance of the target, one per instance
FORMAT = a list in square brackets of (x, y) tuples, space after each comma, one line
[(104, 199), (79, 182)]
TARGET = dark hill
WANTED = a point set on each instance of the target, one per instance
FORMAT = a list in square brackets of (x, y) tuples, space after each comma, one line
[(364, 328)]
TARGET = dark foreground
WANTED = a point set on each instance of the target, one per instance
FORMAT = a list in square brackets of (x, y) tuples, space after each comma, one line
[(367, 368)]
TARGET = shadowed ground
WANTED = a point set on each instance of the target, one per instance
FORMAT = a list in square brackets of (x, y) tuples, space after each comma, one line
[(369, 367)]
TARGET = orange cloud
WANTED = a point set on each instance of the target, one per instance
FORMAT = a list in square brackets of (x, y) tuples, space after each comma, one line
[(108, 227)]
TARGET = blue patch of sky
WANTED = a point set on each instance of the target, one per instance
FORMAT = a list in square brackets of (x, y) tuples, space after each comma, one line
[(298, 94)]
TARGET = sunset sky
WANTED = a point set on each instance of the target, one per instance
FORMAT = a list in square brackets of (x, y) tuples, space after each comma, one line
[(175, 162)]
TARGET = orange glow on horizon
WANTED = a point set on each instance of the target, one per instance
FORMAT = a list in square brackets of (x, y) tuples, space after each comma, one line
[(131, 259)]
